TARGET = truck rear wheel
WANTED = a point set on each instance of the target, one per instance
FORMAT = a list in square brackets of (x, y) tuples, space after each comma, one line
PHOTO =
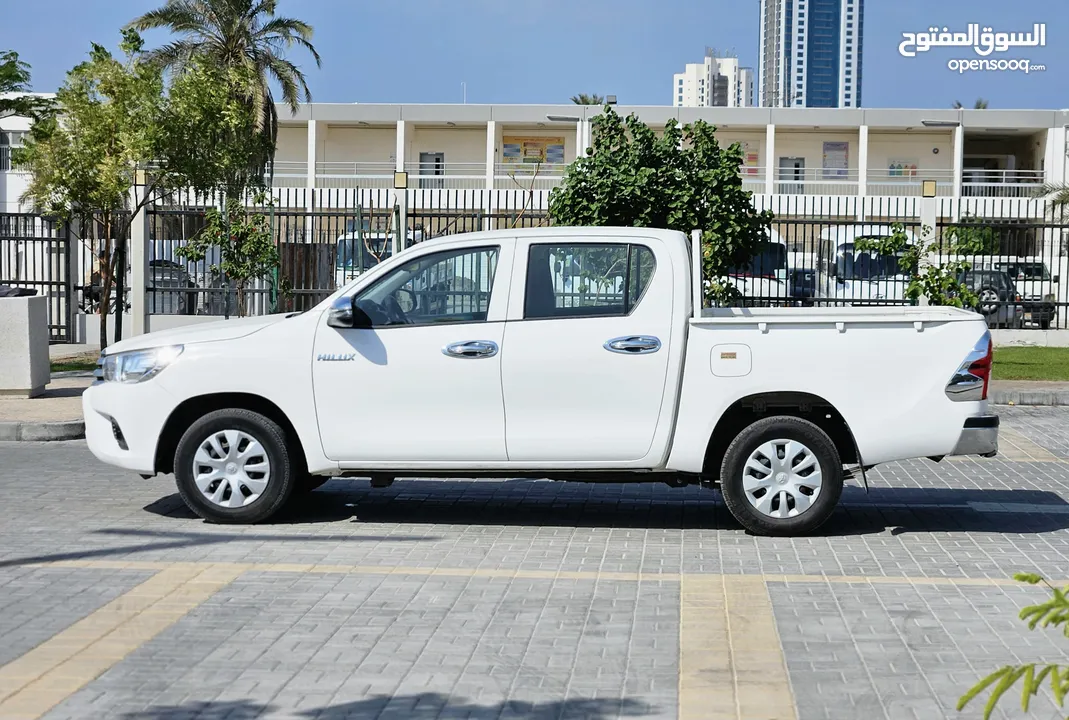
[(781, 476), (234, 466)]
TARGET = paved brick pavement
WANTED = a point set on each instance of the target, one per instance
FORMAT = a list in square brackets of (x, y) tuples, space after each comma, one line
[(517, 599)]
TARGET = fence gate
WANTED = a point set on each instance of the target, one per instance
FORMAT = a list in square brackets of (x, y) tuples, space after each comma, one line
[(36, 253)]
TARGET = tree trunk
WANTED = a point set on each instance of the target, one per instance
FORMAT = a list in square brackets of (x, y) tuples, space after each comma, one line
[(119, 273), (241, 298), (104, 260)]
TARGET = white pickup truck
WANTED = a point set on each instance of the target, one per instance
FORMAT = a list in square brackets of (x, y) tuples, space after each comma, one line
[(468, 356)]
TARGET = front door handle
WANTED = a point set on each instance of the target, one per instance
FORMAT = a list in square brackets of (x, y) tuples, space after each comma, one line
[(471, 349), (633, 345)]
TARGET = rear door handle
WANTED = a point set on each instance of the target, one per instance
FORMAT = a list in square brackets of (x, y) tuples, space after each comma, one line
[(633, 345), (471, 349)]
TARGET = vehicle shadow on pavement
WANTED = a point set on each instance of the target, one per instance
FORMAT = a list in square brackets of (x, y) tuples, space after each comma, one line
[(627, 505), (417, 705), (155, 540)]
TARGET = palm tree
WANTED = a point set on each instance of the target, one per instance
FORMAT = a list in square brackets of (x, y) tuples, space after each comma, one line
[(980, 104), (237, 34), (584, 99)]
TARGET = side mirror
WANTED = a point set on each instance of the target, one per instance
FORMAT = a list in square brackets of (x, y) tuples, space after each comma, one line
[(345, 313), (1057, 279)]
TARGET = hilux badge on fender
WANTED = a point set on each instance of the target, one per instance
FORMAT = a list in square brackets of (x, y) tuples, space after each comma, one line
[(335, 357)]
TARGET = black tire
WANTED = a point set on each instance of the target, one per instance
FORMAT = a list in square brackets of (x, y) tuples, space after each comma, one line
[(273, 439), (1044, 324), (747, 442)]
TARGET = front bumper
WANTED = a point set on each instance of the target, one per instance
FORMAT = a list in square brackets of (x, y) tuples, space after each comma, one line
[(978, 437), (123, 422)]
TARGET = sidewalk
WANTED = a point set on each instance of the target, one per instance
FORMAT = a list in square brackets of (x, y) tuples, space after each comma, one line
[(1028, 392), (54, 415)]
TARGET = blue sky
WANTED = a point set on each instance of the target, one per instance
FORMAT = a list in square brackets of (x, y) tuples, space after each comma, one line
[(544, 51)]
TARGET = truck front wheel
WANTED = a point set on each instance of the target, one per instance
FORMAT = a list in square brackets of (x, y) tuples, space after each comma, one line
[(781, 476), (234, 466)]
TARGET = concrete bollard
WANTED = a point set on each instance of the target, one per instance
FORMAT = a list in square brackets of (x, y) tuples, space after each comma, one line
[(24, 363)]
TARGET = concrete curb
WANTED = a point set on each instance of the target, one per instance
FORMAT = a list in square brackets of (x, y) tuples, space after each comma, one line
[(1029, 397), (42, 431)]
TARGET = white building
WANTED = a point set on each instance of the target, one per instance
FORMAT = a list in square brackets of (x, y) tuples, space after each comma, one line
[(718, 81), (746, 82), (791, 156), (810, 53)]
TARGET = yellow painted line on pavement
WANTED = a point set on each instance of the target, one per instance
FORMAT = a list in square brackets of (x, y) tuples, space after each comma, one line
[(54, 670), (731, 663)]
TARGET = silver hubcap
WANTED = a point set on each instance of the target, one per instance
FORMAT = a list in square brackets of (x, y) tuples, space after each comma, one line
[(782, 478), (231, 468)]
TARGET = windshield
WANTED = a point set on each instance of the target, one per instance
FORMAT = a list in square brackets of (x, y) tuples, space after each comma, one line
[(363, 255), (865, 264), (1026, 271), (769, 261)]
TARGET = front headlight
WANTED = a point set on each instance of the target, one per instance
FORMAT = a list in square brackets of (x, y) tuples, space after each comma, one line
[(139, 365)]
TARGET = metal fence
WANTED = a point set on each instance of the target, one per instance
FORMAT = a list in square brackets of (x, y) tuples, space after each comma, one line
[(1020, 271), (35, 253)]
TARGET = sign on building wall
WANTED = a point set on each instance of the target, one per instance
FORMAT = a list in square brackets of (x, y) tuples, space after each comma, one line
[(902, 168), (532, 150), (749, 158), (836, 159)]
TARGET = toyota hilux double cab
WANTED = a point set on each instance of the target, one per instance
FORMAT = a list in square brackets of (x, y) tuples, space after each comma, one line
[(471, 356)]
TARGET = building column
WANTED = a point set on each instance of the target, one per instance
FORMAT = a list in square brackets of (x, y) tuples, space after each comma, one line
[(863, 161), (139, 257), (770, 159), (959, 158), (310, 180), (582, 138), (399, 153), (491, 153), (491, 173), (1054, 156)]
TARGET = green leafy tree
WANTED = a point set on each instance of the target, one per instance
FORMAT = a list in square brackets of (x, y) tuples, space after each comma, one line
[(971, 232), (208, 138), (246, 247), (15, 84), (85, 166), (1052, 613), (584, 99), (941, 283), (980, 104), (244, 36), (681, 180)]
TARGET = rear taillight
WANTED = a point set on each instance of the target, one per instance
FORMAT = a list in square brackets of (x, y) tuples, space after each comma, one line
[(970, 380), (982, 368)]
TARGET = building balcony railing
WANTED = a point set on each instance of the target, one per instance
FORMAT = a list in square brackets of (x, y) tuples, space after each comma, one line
[(528, 176), (815, 181), (1001, 183), (908, 183), (5, 160), (435, 175)]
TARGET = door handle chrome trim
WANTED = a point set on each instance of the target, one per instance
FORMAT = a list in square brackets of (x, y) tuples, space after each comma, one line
[(633, 345), (471, 349)]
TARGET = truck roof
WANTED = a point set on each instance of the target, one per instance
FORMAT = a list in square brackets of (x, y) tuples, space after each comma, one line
[(562, 231)]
